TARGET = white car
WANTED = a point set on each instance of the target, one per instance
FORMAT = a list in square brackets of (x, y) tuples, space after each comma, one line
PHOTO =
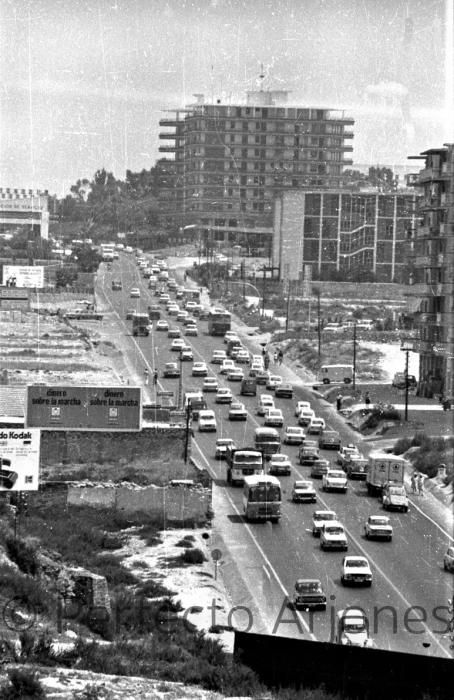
[(321, 517), (356, 570), (207, 421), (353, 628), (305, 416), (346, 453), (210, 384), (300, 405), (280, 464), (303, 492), (191, 330), (258, 359), (294, 435), (274, 380), (222, 446), (235, 374), (274, 418), (134, 293), (230, 335), (243, 357), (186, 355), (199, 369), (224, 395), (162, 325), (218, 357), (173, 310), (266, 401), (226, 366), (237, 411), (316, 426), (332, 536), (177, 344), (378, 527), (335, 480)]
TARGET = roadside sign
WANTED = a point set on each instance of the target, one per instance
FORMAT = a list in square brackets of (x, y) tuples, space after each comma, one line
[(19, 459), (23, 276), (84, 408)]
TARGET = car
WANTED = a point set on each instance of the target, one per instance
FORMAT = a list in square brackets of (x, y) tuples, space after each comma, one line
[(448, 559), (134, 293), (319, 518), (274, 418), (235, 374), (129, 314), (177, 344), (353, 628), (207, 421), (223, 445), (199, 369), (218, 357), (266, 401), (179, 294), (261, 376), (345, 454), (394, 497), (234, 352), (316, 426), (378, 527), (191, 330), (163, 298), (224, 395), (294, 435), (237, 411), (116, 286), (162, 325), (273, 381), (284, 391), (230, 335), (171, 370), (308, 595), (173, 310), (305, 416), (186, 355), (181, 316), (243, 357), (319, 468), (189, 321), (303, 492), (300, 405), (399, 380), (174, 333), (330, 440), (257, 359), (335, 480), (280, 464), (308, 454), (210, 384), (332, 536), (356, 468), (356, 569), (189, 306), (226, 366)]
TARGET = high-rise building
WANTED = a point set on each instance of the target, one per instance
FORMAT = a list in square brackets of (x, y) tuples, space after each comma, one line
[(344, 233), (431, 296), (232, 160)]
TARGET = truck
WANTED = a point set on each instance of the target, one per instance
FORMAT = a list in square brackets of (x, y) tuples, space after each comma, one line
[(329, 374), (198, 402), (241, 462), (384, 468), (140, 324), (154, 313), (248, 387)]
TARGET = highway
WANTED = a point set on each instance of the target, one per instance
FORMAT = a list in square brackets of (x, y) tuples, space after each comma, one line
[(407, 603)]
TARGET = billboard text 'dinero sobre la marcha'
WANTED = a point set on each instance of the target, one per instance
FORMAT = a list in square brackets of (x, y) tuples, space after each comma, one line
[(84, 408)]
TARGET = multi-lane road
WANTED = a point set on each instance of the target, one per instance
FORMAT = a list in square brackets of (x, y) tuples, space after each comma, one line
[(407, 605)]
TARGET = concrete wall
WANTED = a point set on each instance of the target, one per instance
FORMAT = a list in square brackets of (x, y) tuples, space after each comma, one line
[(158, 445), (175, 504)]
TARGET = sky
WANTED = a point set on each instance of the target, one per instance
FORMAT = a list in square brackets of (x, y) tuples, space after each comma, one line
[(85, 82)]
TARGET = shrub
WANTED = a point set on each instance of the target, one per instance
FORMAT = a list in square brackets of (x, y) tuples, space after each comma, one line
[(402, 445), (116, 574), (427, 462), (23, 554), (153, 589), (193, 556), (23, 684), (418, 439)]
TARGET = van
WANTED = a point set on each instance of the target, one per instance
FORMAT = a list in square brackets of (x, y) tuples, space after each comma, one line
[(248, 387), (198, 403), (336, 374)]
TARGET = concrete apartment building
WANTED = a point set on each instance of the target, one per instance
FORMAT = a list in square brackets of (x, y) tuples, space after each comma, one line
[(431, 296), (232, 160), (336, 231)]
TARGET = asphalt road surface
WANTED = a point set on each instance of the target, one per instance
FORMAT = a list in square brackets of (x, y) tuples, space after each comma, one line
[(407, 604)]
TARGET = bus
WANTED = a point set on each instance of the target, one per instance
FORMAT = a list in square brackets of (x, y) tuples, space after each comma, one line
[(191, 295), (140, 324), (336, 374), (262, 498), (107, 251), (219, 322), (268, 441)]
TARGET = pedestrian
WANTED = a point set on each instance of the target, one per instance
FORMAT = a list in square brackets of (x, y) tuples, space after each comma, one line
[(263, 352), (339, 402), (266, 360), (367, 399), (146, 375), (413, 482), (275, 357), (155, 377), (280, 356), (421, 484)]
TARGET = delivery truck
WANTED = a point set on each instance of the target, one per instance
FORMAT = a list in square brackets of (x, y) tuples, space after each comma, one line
[(384, 468)]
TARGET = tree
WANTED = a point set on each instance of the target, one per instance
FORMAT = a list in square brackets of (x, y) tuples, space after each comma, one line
[(86, 259)]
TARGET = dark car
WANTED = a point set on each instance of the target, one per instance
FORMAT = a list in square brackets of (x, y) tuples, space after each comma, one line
[(330, 440), (129, 314), (261, 376), (116, 286), (308, 594), (308, 454), (284, 391), (399, 380)]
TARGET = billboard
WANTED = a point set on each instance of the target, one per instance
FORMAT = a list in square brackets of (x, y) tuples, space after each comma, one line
[(84, 408), (19, 459), (23, 276)]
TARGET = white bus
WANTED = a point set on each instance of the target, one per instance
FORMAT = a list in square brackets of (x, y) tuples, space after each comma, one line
[(107, 251), (336, 374)]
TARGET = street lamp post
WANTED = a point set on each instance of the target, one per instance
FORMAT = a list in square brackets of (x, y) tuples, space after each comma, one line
[(180, 384), (354, 357), (406, 347)]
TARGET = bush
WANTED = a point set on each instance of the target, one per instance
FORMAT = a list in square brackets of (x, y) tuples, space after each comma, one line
[(23, 684), (402, 445), (153, 589), (418, 439), (193, 556), (23, 554)]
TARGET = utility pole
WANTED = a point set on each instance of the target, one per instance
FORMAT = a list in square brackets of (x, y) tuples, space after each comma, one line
[(319, 327), (288, 305), (263, 293), (180, 384), (354, 356), (186, 442), (406, 384)]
